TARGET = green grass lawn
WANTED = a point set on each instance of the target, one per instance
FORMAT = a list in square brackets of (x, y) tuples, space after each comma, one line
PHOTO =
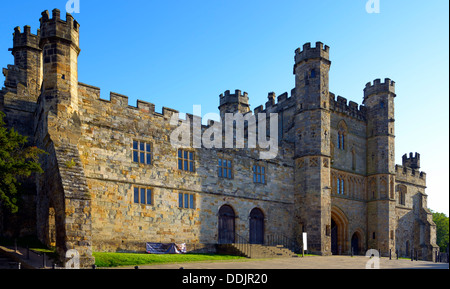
[(131, 259)]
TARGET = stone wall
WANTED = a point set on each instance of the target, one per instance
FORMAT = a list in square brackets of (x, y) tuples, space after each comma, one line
[(109, 129)]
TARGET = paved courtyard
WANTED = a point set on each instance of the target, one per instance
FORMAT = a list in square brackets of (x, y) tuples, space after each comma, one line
[(313, 262)]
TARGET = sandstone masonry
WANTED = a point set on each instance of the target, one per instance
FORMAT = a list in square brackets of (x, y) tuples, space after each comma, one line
[(113, 182)]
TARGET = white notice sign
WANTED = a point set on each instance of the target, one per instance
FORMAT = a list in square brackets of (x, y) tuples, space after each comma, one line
[(305, 243)]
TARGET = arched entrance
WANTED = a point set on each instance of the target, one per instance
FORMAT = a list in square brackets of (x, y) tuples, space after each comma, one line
[(226, 225), (339, 232), (334, 238), (256, 226), (356, 240)]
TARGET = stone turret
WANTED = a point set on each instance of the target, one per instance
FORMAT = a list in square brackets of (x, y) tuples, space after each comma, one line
[(233, 103), (412, 162), (312, 145), (60, 47), (379, 101)]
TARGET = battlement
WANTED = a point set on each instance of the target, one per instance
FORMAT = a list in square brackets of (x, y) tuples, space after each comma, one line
[(413, 161), (120, 101), (56, 27), (407, 172), (237, 97), (274, 103), (351, 109), (388, 86), (25, 39), (308, 52)]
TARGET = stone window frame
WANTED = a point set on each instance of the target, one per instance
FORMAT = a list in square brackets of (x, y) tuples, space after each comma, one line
[(228, 168), (259, 173), (402, 191), (138, 151), (342, 135), (186, 160), (340, 187), (143, 191), (186, 200)]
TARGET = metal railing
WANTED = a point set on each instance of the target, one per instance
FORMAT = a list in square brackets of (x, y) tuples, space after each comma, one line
[(280, 239), (238, 241)]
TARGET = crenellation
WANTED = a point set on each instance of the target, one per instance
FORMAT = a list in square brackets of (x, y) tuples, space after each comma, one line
[(56, 27), (413, 161), (388, 86), (339, 104), (259, 109), (145, 106), (168, 112), (237, 97), (353, 105), (318, 52), (271, 100), (410, 175), (282, 97), (118, 99), (193, 118)]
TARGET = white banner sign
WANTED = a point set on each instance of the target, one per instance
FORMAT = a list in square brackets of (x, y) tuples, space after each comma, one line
[(305, 243)]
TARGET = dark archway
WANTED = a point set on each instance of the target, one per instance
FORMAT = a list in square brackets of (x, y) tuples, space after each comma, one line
[(407, 252), (339, 231), (256, 226), (355, 244), (226, 225), (334, 238)]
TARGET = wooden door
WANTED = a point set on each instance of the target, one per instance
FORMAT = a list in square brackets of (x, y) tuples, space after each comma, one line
[(256, 226), (226, 225)]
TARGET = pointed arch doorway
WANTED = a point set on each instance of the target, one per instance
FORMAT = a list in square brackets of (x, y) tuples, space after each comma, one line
[(226, 224), (356, 243), (339, 232), (256, 226)]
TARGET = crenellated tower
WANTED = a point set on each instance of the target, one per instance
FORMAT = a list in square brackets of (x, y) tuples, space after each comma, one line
[(379, 101), (23, 81), (27, 58), (413, 161), (60, 49), (312, 146), (62, 188), (233, 103)]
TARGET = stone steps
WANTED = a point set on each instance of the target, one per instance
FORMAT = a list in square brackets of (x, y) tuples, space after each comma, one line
[(257, 251)]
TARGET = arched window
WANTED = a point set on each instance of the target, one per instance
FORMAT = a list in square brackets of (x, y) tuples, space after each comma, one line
[(313, 73), (402, 195), (342, 134), (353, 159), (340, 186), (372, 189), (383, 189)]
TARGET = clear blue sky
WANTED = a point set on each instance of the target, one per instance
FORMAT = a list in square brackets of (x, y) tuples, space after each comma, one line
[(180, 53)]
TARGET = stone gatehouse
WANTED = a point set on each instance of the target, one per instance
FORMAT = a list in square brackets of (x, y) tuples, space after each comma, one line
[(113, 181)]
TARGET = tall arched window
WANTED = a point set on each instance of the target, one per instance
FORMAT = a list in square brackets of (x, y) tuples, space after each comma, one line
[(402, 195), (342, 134), (340, 186), (353, 159)]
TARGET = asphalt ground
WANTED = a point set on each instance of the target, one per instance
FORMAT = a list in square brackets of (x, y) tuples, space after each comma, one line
[(307, 262)]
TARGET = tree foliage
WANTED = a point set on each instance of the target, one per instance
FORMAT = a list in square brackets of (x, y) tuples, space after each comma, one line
[(442, 228), (17, 160)]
